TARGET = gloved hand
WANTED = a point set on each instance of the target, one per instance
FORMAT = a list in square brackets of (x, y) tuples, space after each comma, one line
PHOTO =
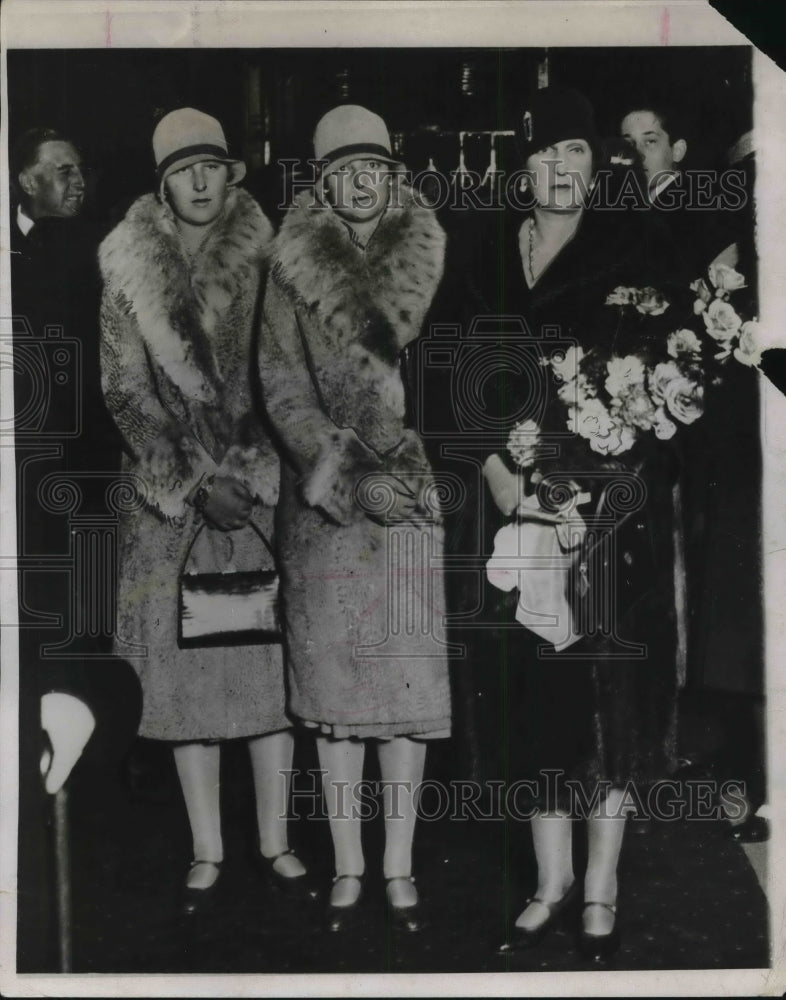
[(507, 488)]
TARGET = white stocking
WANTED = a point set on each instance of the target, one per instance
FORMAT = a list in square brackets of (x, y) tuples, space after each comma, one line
[(342, 762), (198, 770), (552, 838), (401, 763), (605, 829), (271, 766)]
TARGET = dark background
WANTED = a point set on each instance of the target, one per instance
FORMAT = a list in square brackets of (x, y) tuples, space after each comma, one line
[(109, 101)]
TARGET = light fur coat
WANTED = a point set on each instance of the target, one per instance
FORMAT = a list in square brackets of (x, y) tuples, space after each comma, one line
[(356, 311), (176, 348), (177, 338), (335, 320)]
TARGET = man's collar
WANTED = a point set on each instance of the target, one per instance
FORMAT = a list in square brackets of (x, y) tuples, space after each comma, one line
[(23, 220)]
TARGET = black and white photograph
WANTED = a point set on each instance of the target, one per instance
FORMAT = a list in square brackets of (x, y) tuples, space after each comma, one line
[(393, 467)]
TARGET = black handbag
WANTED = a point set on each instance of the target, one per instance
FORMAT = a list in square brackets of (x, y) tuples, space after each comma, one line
[(232, 608)]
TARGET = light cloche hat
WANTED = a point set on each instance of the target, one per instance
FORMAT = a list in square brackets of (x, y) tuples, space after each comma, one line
[(351, 132), (188, 136)]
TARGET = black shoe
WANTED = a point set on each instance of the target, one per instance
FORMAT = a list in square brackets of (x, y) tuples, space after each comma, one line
[(194, 901), (339, 917), (599, 947), (405, 918), (523, 938), (301, 884), (754, 830)]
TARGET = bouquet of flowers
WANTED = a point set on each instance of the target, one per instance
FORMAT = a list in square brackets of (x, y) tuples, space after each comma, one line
[(735, 336), (645, 377)]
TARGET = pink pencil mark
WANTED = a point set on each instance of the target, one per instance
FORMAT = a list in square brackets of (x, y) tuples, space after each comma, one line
[(108, 29), (664, 26)]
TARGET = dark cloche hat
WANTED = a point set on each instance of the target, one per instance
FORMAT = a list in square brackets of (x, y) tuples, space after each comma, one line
[(554, 115)]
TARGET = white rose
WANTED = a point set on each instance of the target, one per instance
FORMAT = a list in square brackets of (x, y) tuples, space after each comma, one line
[(684, 399), (593, 418), (722, 321), (624, 373), (595, 423), (725, 278), (664, 428), (618, 440), (699, 286), (659, 378), (684, 342), (636, 409), (622, 296)]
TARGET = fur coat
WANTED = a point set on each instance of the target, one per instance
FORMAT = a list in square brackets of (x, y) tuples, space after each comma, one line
[(335, 320), (176, 360)]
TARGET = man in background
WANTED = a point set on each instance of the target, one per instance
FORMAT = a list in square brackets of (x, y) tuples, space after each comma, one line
[(697, 206), (74, 701)]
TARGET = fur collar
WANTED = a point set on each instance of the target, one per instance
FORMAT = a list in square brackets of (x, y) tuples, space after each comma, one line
[(179, 306), (383, 292)]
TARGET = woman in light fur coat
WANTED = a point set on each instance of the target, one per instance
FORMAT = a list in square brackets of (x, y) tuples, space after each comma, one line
[(353, 271), (181, 283)]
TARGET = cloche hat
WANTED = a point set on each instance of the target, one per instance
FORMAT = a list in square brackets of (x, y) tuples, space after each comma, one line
[(554, 115), (349, 132), (189, 136)]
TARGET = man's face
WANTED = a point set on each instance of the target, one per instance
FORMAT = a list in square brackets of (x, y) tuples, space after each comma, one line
[(658, 153), (55, 184)]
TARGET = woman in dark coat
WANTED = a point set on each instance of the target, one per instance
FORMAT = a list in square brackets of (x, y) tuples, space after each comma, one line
[(181, 284), (354, 269), (603, 713)]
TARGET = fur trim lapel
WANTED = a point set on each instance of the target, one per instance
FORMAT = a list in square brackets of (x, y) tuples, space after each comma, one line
[(380, 294), (177, 310)]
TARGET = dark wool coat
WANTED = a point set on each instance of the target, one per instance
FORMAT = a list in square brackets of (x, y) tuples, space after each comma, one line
[(363, 602), (610, 715), (176, 350)]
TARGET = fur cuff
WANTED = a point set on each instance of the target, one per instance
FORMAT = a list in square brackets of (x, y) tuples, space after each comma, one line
[(257, 467), (170, 470), (343, 460), (409, 464), (408, 457)]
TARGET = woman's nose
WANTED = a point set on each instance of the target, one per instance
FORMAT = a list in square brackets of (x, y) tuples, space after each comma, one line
[(199, 179)]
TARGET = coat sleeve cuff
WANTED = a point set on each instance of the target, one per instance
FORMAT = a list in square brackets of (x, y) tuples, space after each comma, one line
[(257, 466)]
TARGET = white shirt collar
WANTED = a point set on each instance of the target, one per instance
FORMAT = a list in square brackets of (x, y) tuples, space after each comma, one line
[(23, 220)]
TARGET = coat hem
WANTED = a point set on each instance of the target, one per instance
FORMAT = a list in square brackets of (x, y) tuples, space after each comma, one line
[(430, 729)]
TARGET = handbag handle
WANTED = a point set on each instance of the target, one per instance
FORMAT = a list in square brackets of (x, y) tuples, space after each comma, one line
[(249, 523)]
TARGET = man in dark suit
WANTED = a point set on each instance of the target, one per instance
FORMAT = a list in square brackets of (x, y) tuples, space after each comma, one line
[(75, 701), (697, 207), (721, 480)]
